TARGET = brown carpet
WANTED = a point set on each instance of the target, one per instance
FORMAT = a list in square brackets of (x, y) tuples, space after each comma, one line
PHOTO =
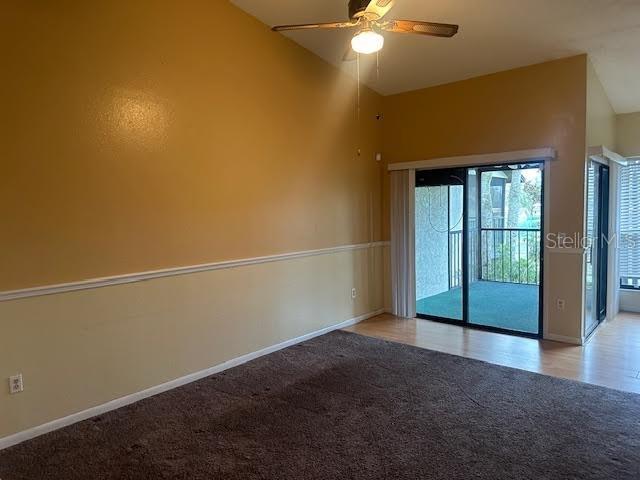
[(351, 407)]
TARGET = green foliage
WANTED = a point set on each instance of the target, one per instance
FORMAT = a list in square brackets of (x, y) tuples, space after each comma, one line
[(506, 264)]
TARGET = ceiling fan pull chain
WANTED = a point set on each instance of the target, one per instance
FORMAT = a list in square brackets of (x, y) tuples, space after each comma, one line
[(358, 100)]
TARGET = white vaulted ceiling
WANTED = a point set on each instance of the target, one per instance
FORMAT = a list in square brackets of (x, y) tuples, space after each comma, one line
[(495, 35)]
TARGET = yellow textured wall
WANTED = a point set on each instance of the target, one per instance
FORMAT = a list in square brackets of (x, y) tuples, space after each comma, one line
[(601, 118), (537, 106), (628, 134), (142, 135)]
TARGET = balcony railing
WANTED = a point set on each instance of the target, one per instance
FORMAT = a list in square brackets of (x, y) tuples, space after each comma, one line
[(509, 255)]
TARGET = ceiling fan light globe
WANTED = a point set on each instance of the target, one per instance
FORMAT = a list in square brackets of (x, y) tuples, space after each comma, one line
[(367, 42)]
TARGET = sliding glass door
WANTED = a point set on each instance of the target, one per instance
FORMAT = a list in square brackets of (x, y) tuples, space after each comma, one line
[(506, 238), (478, 246), (439, 204), (597, 232)]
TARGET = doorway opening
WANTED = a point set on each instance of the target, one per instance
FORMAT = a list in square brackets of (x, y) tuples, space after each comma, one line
[(478, 244)]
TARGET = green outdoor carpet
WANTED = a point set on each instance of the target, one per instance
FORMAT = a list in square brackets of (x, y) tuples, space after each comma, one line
[(504, 305)]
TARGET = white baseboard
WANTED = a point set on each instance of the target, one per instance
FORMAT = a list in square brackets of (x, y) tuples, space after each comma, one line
[(134, 397), (563, 339)]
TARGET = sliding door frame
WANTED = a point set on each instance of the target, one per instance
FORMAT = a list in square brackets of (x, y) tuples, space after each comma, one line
[(603, 247), (541, 164), (599, 246)]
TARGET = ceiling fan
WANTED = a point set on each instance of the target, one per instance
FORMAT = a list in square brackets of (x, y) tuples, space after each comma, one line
[(367, 18)]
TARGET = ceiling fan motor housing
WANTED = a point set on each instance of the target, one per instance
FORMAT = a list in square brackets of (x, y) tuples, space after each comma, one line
[(357, 8)]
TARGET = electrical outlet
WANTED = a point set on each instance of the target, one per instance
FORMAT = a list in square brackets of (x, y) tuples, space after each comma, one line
[(560, 304), (15, 383), (354, 293)]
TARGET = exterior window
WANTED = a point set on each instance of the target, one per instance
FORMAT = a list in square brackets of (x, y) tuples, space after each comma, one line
[(629, 242)]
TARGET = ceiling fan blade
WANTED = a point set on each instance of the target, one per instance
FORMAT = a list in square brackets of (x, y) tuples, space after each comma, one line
[(421, 28), (310, 26), (380, 7)]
